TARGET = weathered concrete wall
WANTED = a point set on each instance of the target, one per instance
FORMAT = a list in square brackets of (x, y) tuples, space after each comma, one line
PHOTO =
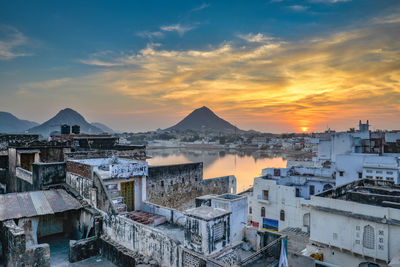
[(147, 241), (79, 168), (53, 153), (172, 215), (23, 180), (45, 174), (83, 186), (15, 251), (83, 249), (117, 254), (24, 175)]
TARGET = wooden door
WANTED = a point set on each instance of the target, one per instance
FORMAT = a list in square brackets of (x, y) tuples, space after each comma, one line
[(128, 192)]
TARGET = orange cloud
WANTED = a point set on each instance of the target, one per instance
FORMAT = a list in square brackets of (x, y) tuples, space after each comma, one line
[(265, 83)]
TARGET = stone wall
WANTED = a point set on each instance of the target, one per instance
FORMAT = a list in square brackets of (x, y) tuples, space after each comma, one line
[(83, 249), (177, 186), (143, 239), (219, 185), (174, 185), (80, 169)]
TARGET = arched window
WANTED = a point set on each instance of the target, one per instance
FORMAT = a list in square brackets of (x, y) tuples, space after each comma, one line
[(262, 212), (250, 210), (369, 237), (282, 215)]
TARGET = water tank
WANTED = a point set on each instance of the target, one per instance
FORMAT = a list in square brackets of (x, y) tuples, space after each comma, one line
[(76, 129), (65, 129)]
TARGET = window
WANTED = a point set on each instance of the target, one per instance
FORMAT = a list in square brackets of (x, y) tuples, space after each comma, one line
[(359, 175), (250, 210), (312, 190), (262, 212), (341, 173), (369, 237), (369, 177), (389, 178), (265, 194), (297, 192), (378, 171), (162, 183), (378, 177), (219, 231), (282, 215), (369, 171), (389, 172), (183, 180)]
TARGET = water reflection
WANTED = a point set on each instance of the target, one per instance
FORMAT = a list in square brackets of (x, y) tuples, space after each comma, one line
[(245, 165)]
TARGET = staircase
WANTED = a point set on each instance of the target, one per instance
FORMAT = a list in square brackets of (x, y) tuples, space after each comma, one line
[(117, 200)]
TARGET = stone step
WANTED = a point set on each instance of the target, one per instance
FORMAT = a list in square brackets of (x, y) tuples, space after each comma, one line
[(114, 193)]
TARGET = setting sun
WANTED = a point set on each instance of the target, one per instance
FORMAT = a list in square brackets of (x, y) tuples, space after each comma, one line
[(304, 129)]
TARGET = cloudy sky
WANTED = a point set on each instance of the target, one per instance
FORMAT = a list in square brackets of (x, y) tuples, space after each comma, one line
[(271, 65)]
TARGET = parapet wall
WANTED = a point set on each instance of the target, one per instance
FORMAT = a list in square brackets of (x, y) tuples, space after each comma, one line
[(42, 175), (177, 186), (143, 239)]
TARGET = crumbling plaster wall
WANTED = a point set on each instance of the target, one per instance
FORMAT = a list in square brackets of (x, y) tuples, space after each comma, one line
[(17, 253), (146, 240)]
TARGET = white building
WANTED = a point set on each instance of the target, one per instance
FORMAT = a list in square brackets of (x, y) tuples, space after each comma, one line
[(357, 224), (351, 167), (278, 204)]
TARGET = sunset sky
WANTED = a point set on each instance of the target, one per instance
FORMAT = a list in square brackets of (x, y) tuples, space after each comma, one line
[(273, 65)]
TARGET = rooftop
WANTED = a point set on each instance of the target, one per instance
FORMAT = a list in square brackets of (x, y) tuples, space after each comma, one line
[(367, 191), (206, 213), (36, 203), (103, 161)]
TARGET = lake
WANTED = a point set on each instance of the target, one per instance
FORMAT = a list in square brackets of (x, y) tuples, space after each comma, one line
[(244, 165)]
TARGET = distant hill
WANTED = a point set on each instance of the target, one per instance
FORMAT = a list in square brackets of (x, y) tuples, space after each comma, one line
[(203, 119), (11, 124), (103, 127), (65, 116)]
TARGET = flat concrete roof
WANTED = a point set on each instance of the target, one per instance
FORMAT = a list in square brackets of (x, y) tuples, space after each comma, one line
[(206, 213)]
